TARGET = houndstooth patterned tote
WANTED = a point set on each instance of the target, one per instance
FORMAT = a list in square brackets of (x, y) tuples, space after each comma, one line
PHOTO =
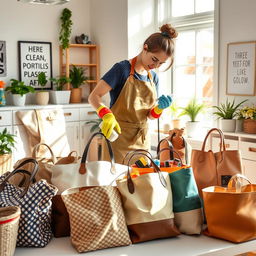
[(35, 203), (96, 218)]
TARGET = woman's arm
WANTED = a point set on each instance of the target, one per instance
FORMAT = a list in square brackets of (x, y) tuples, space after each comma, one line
[(99, 91)]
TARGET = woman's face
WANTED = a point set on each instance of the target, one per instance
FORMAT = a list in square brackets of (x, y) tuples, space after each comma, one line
[(152, 60)]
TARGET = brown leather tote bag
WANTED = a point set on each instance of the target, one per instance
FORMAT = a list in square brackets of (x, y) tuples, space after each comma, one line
[(215, 169)]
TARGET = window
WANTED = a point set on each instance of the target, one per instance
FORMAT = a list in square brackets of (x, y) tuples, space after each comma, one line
[(192, 72)]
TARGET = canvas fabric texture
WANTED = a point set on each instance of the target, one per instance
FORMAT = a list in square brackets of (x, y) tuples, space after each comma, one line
[(91, 211), (231, 212)]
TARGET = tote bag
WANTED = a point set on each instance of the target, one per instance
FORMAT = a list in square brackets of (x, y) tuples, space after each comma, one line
[(215, 169), (231, 212), (96, 218), (85, 173), (147, 202), (34, 201)]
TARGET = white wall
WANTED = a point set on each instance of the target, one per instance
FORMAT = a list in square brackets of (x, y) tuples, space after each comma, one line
[(141, 24), (109, 30), (27, 22), (237, 24)]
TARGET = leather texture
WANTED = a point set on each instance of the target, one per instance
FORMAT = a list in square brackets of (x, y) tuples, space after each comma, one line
[(215, 169), (231, 212)]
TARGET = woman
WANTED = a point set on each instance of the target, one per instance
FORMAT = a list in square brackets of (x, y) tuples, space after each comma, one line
[(132, 86)]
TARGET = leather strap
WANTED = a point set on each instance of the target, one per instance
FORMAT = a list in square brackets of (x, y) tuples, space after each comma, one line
[(170, 146), (130, 183), (222, 141), (18, 170), (173, 152), (136, 150), (82, 169), (36, 149)]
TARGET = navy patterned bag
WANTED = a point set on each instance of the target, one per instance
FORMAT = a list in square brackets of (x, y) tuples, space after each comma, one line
[(34, 200)]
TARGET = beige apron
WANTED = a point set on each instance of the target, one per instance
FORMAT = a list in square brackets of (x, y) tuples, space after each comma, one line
[(131, 110)]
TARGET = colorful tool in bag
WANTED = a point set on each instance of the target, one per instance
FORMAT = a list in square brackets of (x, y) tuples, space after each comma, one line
[(215, 169), (34, 200), (231, 212), (9, 224), (187, 205), (96, 218), (176, 141), (147, 203)]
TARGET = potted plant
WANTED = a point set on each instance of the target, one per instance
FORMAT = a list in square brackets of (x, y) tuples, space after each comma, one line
[(174, 110), (192, 110), (66, 27), (60, 96), (77, 79), (248, 115), (42, 97), (18, 89), (226, 113), (6, 145)]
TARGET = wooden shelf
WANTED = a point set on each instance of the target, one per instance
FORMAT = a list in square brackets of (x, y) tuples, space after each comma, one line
[(92, 62)]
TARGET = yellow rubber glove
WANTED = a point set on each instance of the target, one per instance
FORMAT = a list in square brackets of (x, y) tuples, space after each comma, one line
[(109, 121)]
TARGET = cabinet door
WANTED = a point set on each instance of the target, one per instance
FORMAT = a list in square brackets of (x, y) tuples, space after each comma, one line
[(250, 170), (85, 134), (72, 131), (22, 148)]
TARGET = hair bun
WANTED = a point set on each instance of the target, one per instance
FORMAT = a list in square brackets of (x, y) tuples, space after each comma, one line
[(171, 31)]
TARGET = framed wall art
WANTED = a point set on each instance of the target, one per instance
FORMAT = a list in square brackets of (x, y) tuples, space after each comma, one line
[(241, 68), (3, 67), (35, 57)]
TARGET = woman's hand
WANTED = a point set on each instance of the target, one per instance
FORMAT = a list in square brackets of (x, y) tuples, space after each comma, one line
[(164, 102)]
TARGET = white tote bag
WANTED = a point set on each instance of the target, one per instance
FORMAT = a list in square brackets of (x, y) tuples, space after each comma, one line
[(85, 173)]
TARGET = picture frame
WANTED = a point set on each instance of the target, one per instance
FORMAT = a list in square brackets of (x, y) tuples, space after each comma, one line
[(35, 57), (241, 68)]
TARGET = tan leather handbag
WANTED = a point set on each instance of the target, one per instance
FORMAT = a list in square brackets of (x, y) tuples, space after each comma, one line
[(215, 169), (230, 212)]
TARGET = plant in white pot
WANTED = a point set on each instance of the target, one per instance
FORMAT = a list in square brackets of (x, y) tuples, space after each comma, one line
[(7, 143), (18, 89), (59, 95), (192, 110), (42, 97), (226, 113)]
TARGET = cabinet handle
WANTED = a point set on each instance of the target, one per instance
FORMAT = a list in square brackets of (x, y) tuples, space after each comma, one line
[(68, 114), (252, 149), (77, 133), (0, 117), (91, 112)]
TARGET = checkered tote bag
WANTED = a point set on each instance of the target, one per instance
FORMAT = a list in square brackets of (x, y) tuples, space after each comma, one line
[(96, 218), (34, 200)]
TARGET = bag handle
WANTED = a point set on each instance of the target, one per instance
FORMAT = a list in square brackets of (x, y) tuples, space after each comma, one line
[(130, 183), (18, 170), (136, 150), (237, 180), (169, 144), (36, 149), (173, 151), (82, 169), (222, 142)]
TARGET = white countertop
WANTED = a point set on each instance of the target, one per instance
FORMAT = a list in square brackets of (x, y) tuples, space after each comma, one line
[(181, 246)]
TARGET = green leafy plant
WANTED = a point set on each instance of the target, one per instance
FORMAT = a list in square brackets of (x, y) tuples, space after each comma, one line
[(19, 87), (60, 82), (193, 109), (66, 28), (77, 76), (7, 142), (228, 110), (95, 125), (174, 110), (42, 80)]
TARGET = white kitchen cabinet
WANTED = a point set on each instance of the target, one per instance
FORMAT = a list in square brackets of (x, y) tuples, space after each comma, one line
[(76, 115)]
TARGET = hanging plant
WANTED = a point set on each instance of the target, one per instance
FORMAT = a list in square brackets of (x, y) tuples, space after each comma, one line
[(66, 27)]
